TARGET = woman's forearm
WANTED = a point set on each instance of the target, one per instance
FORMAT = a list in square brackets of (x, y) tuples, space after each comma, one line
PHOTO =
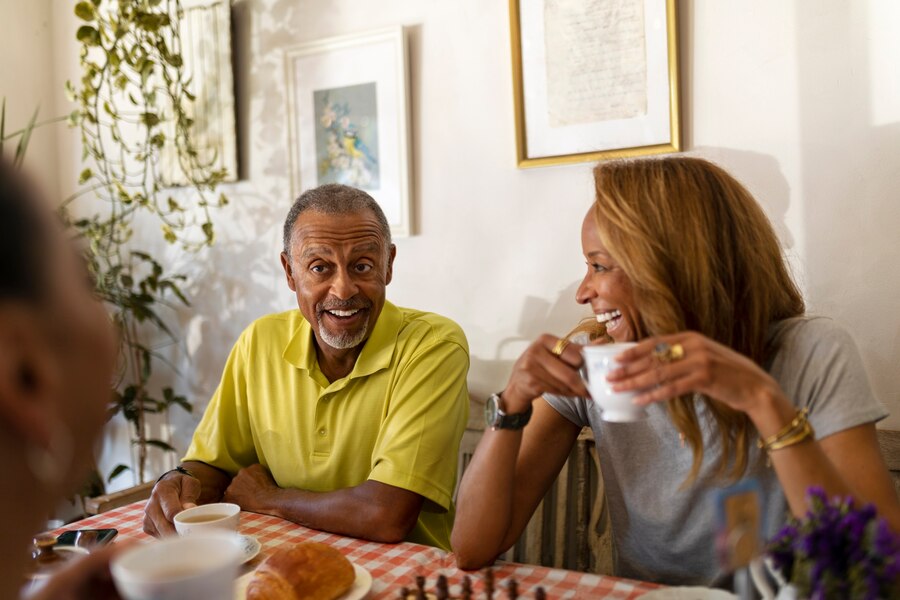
[(485, 500)]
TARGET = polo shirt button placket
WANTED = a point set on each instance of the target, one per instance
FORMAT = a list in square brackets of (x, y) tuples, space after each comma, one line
[(322, 432)]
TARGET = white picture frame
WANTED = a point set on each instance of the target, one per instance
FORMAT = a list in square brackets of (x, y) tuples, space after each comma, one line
[(594, 79), (348, 118)]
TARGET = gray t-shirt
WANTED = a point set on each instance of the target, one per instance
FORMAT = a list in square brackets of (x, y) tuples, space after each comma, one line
[(666, 534)]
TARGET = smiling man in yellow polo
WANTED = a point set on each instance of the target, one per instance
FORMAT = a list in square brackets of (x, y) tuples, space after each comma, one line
[(344, 415)]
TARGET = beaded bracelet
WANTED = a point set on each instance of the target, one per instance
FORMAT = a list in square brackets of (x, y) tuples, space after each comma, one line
[(798, 430)]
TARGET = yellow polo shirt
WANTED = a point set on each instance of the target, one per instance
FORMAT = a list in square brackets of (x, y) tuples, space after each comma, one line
[(396, 418)]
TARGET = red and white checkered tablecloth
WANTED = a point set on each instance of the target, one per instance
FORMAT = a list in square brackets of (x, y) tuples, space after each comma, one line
[(394, 566)]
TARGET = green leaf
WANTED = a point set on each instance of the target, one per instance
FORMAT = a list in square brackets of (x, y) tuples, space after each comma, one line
[(146, 71), (24, 139), (85, 11), (160, 444), (209, 232), (70, 91), (169, 235), (85, 175), (150, 119), (88, 36), (173, 205), (118, 470)]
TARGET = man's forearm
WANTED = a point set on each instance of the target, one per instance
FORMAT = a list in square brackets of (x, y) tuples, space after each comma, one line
[(213, 481), (371, 510)]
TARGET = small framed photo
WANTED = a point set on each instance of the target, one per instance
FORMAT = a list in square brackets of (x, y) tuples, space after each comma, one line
[(349, 118), (594, 79)]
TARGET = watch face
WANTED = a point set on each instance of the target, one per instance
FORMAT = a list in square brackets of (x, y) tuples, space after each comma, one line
[(490, 411)]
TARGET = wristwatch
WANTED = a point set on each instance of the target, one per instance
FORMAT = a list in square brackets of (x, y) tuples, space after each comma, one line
[(495, 418)]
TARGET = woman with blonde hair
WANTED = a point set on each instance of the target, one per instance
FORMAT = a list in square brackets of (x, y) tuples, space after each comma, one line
[(681, 259)]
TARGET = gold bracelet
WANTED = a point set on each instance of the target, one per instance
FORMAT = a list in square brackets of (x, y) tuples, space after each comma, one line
[(789, 429), (806, 432)]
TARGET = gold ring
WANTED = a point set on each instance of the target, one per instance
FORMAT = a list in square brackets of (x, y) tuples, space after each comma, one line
[(666, 353), (560, 346)]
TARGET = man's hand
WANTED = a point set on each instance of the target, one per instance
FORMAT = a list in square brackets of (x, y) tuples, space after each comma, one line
[(171, 495), (251, 488)]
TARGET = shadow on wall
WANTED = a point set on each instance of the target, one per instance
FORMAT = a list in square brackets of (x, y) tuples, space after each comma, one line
[(240, 278), (489, 374), (761, 175), (850, 168)]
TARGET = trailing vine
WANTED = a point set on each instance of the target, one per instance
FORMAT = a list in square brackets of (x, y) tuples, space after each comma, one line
[(133, 112)]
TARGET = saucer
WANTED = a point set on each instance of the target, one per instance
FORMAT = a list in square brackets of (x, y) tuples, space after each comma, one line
[(250, 546)]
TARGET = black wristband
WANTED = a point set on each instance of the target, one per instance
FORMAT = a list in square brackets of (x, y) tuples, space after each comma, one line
[(178, 469)]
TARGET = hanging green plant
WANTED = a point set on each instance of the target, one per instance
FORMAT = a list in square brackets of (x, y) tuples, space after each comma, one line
[(133, 111)]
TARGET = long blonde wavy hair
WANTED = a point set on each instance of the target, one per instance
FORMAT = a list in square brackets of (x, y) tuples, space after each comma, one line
[(701, 255)]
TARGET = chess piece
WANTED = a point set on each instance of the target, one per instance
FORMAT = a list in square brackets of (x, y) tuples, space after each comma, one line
[(404, 592), (441, 588), (420, 587), (540, 594), (489, 583), (512, 589), (466, 588)]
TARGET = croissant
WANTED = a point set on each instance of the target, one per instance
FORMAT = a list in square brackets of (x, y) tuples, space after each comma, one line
[(308, 570)]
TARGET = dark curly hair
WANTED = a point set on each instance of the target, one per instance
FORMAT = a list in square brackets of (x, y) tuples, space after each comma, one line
[(22, 235)]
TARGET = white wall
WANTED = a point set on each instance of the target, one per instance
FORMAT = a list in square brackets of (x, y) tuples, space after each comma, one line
[(28, 81), (800, 100)]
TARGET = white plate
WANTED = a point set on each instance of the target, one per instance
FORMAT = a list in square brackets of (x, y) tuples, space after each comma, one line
[(688, 593), (250, 547), (359, 590)]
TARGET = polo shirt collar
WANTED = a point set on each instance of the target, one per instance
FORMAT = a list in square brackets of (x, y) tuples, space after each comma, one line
[(376, 353)]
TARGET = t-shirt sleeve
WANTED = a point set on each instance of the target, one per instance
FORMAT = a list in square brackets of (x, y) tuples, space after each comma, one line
[(573, 409), (819, 366), (223, 438), (418, 443)]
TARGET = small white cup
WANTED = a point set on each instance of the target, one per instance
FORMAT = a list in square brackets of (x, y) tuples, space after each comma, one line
[(179, 568), (615, 406), (207, 517)]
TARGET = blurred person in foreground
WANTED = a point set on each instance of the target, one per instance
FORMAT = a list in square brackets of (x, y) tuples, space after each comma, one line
[(344, 414), (57, 355), (681, 259)]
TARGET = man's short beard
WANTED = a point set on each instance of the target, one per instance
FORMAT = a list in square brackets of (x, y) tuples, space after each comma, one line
[(343, 340)]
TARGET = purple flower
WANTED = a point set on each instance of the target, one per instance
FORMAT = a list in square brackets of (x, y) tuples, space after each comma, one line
[(838, 551)]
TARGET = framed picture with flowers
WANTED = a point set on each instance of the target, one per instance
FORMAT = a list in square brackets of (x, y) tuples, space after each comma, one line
[(594, 79), (348, 118)]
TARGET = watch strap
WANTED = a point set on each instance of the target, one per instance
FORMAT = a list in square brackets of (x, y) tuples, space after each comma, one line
[(509, 421)]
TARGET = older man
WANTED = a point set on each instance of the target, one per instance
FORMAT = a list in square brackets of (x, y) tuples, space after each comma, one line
[(344, 415)]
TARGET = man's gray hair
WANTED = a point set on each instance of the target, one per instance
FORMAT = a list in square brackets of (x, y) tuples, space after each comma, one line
[(335, 199)]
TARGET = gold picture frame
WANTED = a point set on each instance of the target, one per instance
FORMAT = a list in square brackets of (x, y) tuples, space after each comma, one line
[(565, 113)]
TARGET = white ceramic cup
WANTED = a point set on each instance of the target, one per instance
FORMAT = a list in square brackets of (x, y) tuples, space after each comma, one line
[(206, 517), (615, 406), (203, 565)]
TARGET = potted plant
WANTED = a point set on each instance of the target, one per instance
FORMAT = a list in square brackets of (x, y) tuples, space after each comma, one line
[(132, 111)]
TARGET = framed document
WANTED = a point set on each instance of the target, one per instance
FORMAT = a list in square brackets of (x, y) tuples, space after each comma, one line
[(594, 79), (349, 120)]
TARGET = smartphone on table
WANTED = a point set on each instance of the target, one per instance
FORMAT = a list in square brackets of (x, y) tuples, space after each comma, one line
[(86, 537)]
